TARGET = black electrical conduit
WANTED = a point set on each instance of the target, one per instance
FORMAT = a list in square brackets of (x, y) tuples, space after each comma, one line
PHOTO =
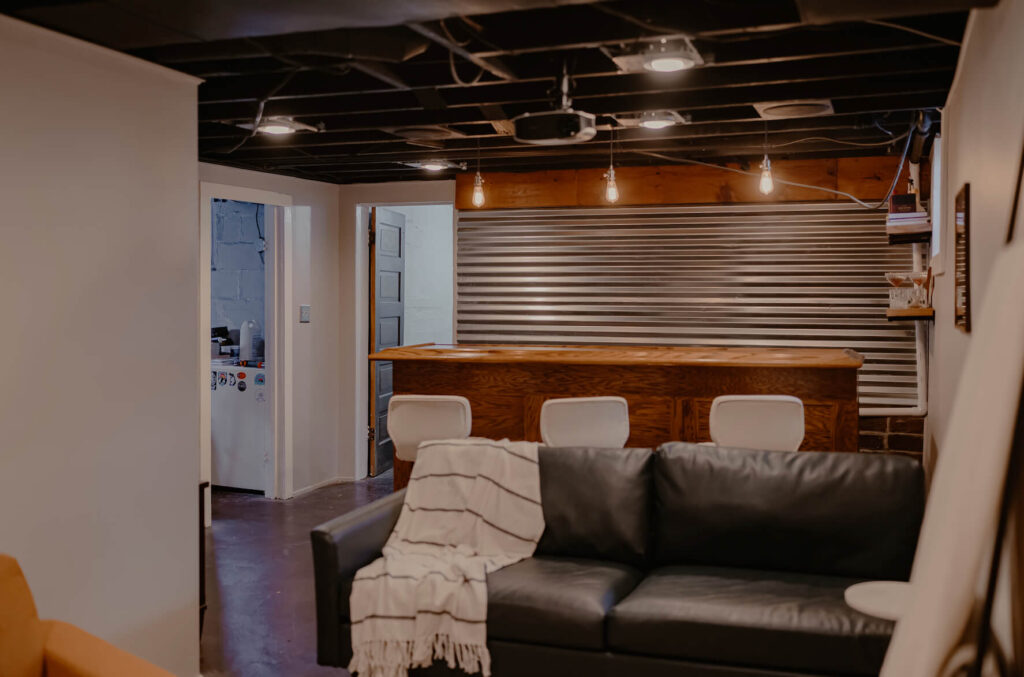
[(259, 109)]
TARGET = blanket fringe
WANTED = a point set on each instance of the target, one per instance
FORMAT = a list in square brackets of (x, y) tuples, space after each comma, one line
[(390, 657)]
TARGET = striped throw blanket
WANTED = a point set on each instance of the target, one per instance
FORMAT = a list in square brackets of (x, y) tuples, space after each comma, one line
[(472, 507)]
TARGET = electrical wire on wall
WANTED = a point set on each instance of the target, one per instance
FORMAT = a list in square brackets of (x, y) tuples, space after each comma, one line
[(878, 205), (259, 231)]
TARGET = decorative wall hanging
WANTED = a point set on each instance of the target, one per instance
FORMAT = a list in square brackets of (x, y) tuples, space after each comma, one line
[(962, 260)]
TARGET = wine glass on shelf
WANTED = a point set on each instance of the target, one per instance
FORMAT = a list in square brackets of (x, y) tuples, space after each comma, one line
[(918, 298), (895, 279), (898, 294)]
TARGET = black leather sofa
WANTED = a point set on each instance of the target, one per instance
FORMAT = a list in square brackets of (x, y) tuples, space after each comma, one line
[(690, 561)]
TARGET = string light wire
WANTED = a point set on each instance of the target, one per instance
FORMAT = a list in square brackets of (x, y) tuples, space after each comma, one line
[(878, 205)]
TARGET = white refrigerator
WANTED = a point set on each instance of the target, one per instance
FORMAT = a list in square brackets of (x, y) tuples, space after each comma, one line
[(240, 427)]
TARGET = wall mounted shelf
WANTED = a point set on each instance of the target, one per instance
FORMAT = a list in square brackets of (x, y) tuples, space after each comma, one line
[(905, 234), (910, 314)]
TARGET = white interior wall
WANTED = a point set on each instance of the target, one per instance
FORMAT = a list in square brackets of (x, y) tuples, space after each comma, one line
[(429, 270), (354, 308), (99, 411), (317, 415), (982, 136)]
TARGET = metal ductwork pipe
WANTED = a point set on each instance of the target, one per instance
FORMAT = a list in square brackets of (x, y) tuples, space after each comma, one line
[(922, 131), (831, 11), (391, 45)]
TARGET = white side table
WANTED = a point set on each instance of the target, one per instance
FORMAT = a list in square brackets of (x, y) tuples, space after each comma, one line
[(882, 599)]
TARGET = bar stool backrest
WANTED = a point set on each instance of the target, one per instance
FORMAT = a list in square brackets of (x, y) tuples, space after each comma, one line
[(585, 422), (413, 419), (769, 422)]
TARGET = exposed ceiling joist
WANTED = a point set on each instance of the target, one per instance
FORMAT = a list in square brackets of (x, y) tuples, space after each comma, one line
[(395, 81)]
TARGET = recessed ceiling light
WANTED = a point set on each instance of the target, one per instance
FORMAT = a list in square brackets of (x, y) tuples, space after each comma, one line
[(433, 165), (276, 128), (653, 119), (281, 125), (663, 55), (658, 119), (668, 57)]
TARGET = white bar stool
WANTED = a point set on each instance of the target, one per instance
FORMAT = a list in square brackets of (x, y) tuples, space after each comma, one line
[(585, 422), (413, 419), (772, 422)]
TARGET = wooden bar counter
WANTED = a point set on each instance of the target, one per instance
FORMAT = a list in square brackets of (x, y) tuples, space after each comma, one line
[(669, 389)]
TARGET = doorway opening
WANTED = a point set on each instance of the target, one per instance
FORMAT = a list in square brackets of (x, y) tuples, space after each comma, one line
[(412, 298), (241, 442), (244, 239)]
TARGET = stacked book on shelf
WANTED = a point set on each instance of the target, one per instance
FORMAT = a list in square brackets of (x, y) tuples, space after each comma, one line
[(906, 222)]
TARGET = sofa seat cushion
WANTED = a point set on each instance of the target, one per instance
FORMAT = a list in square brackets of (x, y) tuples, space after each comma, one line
[(770, 619), (556, 601)]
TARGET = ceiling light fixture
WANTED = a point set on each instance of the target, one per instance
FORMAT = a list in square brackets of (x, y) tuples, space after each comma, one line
[(611, 189), (478, 181), (282, 125), (435, 165), (659, 119), (669, 57), (632, 120)]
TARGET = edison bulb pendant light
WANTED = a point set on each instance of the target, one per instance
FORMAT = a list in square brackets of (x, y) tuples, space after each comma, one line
[(766, 185), (478, 190), (611, 189)]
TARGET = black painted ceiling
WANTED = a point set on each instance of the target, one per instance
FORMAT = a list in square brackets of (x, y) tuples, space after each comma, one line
[(366, 71)]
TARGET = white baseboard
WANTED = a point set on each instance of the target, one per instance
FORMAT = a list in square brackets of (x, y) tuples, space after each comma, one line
[(319, 485)]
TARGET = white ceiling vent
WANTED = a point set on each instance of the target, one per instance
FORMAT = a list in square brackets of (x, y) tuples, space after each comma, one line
[(428, 136), (798, 108)]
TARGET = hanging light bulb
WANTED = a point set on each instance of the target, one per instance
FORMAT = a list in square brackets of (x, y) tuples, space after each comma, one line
[(478, 181), (611, 189), (767, 185), (478, 190)]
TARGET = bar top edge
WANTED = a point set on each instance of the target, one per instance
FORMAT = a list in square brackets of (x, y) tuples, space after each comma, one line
[(820, 358)]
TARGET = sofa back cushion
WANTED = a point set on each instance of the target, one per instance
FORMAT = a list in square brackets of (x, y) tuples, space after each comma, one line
[(843, 514), (597, 503)]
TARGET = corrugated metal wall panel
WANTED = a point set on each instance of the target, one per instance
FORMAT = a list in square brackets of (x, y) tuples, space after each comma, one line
[(785, 275)]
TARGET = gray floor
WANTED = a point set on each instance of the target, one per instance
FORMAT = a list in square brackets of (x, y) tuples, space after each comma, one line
[(261, 620)]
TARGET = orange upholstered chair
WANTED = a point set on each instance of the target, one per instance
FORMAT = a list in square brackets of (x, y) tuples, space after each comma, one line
[(30, 647)]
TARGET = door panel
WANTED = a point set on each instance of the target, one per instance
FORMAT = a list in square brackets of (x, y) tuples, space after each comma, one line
[(387, 258)]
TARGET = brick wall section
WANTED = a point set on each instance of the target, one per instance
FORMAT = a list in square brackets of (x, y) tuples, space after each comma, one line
[(897, 434)]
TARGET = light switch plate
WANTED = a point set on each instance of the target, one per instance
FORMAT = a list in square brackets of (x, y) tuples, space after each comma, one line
[(304, 314)]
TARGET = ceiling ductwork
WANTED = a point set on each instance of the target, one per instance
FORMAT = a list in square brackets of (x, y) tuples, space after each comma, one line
[(392, 45), (428, 136), (797, 108), (833, 11), (136, 24)]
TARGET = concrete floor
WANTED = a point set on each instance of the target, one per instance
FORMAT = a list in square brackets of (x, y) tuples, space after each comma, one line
[(261, 619)]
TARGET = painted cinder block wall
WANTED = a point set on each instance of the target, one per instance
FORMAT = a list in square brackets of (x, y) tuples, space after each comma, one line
[(429, 273), (237, 277)]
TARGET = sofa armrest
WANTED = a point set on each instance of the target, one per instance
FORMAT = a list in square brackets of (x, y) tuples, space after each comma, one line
[(340, 548), (72, 652)]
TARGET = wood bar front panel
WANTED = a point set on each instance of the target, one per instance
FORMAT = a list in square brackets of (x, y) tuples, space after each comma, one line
[(666, 403)]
